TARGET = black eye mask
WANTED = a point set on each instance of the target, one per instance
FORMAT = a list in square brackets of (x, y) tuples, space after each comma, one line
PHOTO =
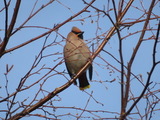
[(79, 34)]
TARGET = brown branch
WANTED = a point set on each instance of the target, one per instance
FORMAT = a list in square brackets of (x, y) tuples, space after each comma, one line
[(11, 26), (5, 2), (6, 20), (155, 44), (137, 21), (85, 106), (121, 3), (32, 15)]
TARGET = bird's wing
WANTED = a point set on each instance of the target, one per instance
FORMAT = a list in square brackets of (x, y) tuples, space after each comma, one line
[(71, 75), (90, 72)]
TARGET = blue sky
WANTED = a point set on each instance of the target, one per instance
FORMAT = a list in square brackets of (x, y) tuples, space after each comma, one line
[(106, 93)]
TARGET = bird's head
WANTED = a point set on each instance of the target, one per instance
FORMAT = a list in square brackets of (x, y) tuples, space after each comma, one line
[(78, 32)]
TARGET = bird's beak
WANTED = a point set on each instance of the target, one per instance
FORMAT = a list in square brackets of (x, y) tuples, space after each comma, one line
[(81, 33)]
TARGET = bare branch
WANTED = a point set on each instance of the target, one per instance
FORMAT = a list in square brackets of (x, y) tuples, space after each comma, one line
[(11, 26)]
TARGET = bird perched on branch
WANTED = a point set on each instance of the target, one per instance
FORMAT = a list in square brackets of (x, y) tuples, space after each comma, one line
[(76, 55)]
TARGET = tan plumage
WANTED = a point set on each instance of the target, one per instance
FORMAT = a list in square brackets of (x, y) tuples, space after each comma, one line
[(76, 54)]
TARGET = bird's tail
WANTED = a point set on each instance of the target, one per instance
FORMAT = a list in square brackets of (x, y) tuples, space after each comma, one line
[(83, 82)]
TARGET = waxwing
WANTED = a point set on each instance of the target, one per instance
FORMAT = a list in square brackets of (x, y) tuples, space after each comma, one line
[(76, 55)]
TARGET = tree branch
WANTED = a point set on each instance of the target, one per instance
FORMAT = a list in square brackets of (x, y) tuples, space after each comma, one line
[(11, 26)]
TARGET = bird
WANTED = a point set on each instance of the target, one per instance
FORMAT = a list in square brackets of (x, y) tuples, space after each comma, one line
[(76, 55)]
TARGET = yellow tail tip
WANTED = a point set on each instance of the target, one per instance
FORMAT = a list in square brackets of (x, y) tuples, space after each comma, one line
[(83, 88)]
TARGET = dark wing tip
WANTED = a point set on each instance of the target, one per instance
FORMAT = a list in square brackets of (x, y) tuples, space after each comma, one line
[(90, 72)]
